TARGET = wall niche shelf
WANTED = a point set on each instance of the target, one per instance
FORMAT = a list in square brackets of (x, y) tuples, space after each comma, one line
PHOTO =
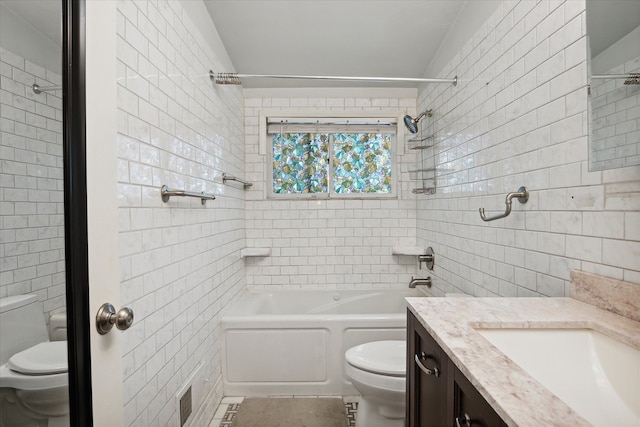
[(429, 190), (423, 170), (419, 138), (255, 252), (407, 250), (419, 142), (420, 147)]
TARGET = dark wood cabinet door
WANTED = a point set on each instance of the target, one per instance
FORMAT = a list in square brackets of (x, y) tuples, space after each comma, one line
[(470, 408), (427, 373), (438, 394)]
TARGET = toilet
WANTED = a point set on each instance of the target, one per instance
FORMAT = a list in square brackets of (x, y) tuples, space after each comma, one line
[(378, 371), (33, 370)]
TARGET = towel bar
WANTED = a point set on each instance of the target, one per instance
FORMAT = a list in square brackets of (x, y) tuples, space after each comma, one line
[(226, 178), (166, 193)]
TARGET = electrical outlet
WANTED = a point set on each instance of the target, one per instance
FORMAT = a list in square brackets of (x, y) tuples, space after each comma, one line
[(186, 407)]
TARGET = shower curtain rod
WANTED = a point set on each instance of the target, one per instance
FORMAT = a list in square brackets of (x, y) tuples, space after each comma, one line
[(234, 78), (629, 78), (612, 76)]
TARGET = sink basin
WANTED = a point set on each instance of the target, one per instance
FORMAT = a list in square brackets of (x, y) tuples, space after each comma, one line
[(597, 376)]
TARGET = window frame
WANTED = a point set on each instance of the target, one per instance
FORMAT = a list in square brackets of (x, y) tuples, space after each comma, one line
[(397, 149)]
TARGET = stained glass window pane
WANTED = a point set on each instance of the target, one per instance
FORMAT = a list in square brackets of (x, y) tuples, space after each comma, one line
[(362, 163), (300, 163)]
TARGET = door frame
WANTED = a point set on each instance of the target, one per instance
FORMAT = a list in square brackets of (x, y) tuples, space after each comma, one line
[(75, 212)]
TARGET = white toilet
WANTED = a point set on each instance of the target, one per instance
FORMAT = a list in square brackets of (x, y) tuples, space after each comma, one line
[(33, 370), (378, 371)]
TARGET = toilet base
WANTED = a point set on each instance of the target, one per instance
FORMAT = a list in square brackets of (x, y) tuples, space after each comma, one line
[(369, 415), (64, 421), (14, 414)]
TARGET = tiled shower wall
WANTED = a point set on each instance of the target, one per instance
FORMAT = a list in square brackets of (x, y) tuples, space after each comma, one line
[(616, 119), (179, 260), (519, 117), (31, 174), (328, 243)]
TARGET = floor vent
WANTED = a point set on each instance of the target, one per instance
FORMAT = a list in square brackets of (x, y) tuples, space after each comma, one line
[(185, 407)]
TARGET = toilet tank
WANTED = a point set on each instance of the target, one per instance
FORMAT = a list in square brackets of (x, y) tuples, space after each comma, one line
[(58, 327), (22, 324)]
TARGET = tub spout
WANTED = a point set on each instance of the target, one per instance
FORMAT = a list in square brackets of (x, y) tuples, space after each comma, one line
[(415, 282)]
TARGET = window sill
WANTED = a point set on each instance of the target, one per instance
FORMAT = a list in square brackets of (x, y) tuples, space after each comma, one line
[(302, 197)]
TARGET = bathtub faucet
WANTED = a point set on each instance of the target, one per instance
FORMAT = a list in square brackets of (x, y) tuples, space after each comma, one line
[(415, 282)]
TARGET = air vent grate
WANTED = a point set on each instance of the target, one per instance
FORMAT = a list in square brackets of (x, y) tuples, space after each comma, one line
[(185, 407)]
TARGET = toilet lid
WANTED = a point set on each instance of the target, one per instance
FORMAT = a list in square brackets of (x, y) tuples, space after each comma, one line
[(380, 357), (42, 359)]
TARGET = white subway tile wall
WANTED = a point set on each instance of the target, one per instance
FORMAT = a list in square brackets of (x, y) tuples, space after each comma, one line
[(328, 243), (180, 260), (31, 182), (615, 111), (519, 117)]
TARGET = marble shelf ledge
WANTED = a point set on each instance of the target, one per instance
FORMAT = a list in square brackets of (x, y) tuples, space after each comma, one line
[(407, 250), (255, 252)]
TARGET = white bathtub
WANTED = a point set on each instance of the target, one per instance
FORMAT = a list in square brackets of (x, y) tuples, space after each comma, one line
[(293, 342)]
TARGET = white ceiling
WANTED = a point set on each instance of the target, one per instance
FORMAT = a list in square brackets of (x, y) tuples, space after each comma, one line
[(380, 38), (387, 38), (45, 16), (610, 20)]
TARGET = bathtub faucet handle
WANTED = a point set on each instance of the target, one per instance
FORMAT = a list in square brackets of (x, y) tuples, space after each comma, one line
[(428, 258), (414, 282)]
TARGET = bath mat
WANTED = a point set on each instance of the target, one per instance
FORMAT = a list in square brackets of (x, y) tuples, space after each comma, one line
[(291, 412)]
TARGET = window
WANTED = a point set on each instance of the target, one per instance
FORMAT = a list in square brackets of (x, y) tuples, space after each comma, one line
[(330, 159)]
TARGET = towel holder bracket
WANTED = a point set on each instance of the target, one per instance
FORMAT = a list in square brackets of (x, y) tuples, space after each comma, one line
[(522, 195)]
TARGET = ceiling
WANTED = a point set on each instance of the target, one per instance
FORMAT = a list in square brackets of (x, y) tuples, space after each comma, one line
[(381, 38), (45, 16), (389, 38), (378, 38), (610, 20)]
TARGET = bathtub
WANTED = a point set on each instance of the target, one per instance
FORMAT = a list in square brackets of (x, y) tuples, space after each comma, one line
[(292, 342)]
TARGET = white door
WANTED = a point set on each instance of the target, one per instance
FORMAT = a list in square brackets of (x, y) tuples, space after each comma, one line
[(102, 209)]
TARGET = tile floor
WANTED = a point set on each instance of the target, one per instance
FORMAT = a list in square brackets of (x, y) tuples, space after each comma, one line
[(228, 408)]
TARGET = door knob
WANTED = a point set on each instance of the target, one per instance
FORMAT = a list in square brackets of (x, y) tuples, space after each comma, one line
[(107, 317)]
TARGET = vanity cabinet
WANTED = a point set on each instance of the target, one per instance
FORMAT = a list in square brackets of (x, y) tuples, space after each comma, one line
[(427, 378), (470, 408), (438, 394)]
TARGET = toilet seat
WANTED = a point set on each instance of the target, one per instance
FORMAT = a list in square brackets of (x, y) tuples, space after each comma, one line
[(45, 358), (43, 366), (386, 358), (11, 379), (362, 379)]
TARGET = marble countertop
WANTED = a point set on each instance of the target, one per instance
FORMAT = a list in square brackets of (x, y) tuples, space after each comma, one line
[(518, 398)]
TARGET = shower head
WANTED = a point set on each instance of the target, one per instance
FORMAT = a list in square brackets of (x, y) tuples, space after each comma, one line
[(412, 124)]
